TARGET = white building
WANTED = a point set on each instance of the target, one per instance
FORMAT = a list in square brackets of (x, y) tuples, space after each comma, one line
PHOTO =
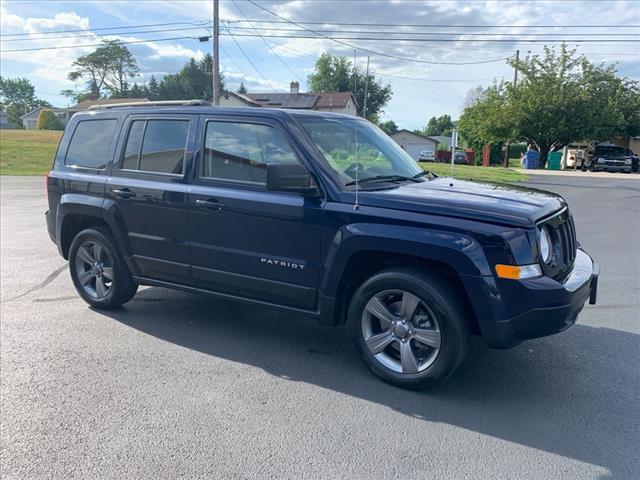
[(414, 143)]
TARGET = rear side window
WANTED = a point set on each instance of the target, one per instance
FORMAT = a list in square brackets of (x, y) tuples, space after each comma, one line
[(242, 151), (89, 145), (156, 146)]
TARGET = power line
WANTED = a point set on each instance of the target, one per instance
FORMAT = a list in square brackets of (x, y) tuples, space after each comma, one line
[(96, 44), (268, 46), (380, 32), (439, 40), (433, 25), (247, 57), (101, 29), (103, 34), (373, 52)]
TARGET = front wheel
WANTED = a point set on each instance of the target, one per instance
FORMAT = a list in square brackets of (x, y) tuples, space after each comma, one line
[(98, 271), (408, 327)]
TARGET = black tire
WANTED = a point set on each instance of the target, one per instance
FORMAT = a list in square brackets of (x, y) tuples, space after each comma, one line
[(437, 295), (583, 167), (121, 288)]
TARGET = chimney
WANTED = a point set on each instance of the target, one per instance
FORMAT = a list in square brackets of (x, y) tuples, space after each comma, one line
[(294, 88)]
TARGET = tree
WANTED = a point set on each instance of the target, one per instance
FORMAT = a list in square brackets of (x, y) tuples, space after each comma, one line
[(17, 98), (561, 98), (47, 120), (242, 89), (337, 74), (193, 81), (153, 89), (105, 71), (442, 125), (389, 127)]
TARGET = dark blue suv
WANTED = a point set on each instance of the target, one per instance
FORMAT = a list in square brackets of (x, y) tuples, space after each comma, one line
[(318, 214)]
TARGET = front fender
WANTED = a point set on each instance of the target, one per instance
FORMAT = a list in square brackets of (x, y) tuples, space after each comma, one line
[(461, 252)]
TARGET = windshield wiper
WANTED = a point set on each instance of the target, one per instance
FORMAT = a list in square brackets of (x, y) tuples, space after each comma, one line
[(425, 173), (382, 178)]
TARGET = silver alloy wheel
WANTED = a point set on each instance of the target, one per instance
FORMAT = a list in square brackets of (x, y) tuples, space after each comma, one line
[(401, 331), (94, 269)]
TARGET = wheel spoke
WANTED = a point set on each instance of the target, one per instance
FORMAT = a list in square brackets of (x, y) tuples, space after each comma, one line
[(430, 338), (379, 310), (409, 304), (377, 343), (85, 256), (85, 277), (407, 358), (101, 288), (97, 252), (107, 272)]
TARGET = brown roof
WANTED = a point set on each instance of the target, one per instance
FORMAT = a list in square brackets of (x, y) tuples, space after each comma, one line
[(85, 104), (308, 101), (335, 99)]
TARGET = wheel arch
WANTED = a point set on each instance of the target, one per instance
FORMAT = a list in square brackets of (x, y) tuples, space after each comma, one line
[(360, 252)]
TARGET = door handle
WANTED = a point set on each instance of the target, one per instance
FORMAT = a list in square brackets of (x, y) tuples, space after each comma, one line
[(210, 204), (124, 193)]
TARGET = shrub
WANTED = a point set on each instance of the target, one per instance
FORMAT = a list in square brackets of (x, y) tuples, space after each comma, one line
[(47, 120)]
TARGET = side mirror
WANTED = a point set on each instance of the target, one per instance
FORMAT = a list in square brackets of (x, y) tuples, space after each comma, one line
[(290, 177)]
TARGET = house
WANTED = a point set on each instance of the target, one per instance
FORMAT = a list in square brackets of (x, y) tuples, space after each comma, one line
[(339, 102), (64, 114), (414, 143), (632, 143), (443, 139)]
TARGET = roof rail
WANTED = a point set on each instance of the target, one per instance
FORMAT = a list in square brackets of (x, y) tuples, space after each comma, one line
[(159, 103)]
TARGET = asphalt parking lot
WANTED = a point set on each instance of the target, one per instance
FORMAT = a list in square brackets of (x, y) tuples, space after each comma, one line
[(181, 385)]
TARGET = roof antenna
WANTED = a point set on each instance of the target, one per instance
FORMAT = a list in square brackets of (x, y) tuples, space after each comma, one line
[(356, 206)]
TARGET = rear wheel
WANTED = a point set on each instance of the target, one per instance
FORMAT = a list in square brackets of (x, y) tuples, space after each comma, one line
[(408, 327), (98, 271)]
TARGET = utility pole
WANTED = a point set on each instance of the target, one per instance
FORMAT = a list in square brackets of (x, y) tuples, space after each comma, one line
[(366, 90), (216, 53), (515, 82)]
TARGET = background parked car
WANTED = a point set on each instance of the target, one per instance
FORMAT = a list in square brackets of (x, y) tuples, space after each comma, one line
[(609, 157), (426, 156), (460, 158), (571, 155)]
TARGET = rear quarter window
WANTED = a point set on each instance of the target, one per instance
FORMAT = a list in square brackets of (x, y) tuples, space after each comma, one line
[(90, 143)]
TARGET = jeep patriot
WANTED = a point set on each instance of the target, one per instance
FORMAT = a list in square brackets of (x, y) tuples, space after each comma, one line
[(318, 214)]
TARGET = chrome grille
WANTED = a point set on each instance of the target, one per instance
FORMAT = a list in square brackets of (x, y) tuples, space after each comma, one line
[(565, 245)]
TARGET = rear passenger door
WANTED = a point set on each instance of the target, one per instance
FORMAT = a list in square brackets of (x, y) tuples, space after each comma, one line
[(245, 240), (148, 191)]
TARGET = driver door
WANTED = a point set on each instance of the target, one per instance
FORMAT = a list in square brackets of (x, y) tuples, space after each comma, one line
[(245, 240)]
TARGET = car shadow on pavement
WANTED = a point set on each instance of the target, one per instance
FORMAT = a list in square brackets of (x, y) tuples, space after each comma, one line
[(562, 394)]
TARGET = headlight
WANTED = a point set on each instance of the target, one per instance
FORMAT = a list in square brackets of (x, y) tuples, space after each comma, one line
[(627, 161), (601, 160), (545, 245)]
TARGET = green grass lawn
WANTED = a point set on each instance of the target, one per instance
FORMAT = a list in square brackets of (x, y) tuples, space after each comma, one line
[(27, 152), (469, 172)]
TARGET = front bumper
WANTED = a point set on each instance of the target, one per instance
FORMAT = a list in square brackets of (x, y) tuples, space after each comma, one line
[(550, 306)]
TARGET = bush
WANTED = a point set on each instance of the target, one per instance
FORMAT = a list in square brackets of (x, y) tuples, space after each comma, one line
[(47, 120)]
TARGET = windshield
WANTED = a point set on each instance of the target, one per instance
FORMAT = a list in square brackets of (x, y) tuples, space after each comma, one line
[(610, 150), (357, 150)]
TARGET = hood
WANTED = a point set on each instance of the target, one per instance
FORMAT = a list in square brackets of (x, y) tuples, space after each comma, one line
[(488, 202)]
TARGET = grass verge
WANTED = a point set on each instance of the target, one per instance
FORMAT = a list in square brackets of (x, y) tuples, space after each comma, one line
[(27, 152), (470, 172)]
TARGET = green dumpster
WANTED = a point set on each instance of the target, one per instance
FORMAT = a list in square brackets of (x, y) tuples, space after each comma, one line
[(554, 161)]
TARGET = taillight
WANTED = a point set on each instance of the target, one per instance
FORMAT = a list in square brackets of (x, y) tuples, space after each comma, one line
[(572, 157)]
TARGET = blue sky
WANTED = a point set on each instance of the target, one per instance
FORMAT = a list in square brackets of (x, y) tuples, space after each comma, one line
[(441, 89)]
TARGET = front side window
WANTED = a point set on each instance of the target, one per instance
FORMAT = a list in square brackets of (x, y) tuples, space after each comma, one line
[(357, 150), (90, 143), (242, 151), (156, 146)]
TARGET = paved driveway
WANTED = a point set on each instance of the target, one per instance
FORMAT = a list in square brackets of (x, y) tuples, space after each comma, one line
[(175, 384)]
